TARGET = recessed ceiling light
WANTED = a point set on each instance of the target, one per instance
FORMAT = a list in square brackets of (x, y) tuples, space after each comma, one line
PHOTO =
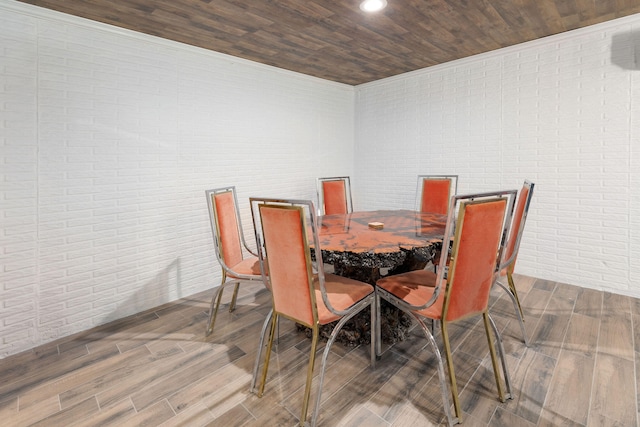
[(373, 5)]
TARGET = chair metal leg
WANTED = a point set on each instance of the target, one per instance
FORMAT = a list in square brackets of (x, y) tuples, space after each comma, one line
[(444, 389), (492, 351), (441, 375), (256, 365), (376, 328), (213, 310), (514, 291), (215, 304), (505, 370), (307, 389), (518, 310), (452, 375), (267, 357), (232, 305), (325, 356)]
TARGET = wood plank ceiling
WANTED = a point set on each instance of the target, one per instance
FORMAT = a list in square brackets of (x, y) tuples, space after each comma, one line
[(335, 40)]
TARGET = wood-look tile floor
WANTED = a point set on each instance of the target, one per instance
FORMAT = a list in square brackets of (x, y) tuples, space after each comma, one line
[(158, 369)]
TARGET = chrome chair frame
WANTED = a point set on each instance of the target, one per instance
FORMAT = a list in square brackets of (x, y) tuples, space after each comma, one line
[(321, 197), (307, 210), (452, 230), (227, 271), (453, 188), (509, 264)]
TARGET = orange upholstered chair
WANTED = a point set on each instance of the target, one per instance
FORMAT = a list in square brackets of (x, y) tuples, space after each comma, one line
[(511, 251), (480, 232), (435, 191), (228, 240), (434, 194), (284, 231), (334, 195)]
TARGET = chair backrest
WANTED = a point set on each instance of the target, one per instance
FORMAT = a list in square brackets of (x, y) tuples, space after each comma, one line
[(334, 195), (225, 225), (435, 191), (517, 225), (284, 229), (481, 228)]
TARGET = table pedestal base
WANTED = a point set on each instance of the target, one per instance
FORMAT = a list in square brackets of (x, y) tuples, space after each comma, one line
[(394, 327), (394, 323)]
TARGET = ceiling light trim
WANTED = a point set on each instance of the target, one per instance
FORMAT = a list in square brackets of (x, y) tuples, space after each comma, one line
[(373, 5)]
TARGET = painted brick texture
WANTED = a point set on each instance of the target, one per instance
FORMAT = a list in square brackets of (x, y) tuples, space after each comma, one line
[(562, 112), (108, 140)]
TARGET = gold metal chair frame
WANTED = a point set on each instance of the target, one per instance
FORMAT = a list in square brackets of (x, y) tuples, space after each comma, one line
[(227, 271), (443, 284), (306, 210), (509, 264)]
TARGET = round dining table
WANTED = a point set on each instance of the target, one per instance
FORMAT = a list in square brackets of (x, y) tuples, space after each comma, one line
[(361, 244), (366, 245)]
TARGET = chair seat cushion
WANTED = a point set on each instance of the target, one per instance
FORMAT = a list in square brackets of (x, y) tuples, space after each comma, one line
[(249, 266), (412, 278), (342, 293), (416, 288)]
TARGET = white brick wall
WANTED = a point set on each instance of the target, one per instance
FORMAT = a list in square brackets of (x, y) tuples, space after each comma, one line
[(562, 111), (108, 140), (19, 184)]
